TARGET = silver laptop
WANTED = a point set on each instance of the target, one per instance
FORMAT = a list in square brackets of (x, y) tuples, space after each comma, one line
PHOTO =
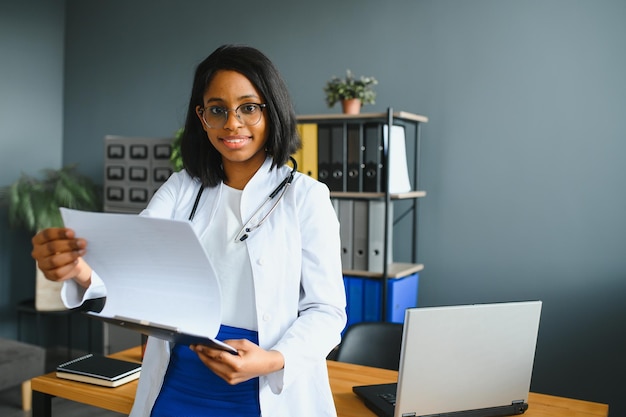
[(471, 360)]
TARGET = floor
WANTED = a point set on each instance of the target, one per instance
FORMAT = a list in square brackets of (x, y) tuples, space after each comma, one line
[(11, 398), (11, 406)]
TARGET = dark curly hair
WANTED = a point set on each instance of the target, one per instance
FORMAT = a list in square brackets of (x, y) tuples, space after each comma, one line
[(200, 158)]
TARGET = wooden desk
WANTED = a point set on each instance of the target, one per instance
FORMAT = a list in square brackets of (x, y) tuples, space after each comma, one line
[(343, 377)]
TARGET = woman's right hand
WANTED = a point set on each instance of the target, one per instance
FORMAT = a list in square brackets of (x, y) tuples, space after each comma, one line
[(58, 253)]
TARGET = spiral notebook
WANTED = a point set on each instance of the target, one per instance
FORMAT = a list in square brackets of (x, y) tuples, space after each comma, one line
[(99, 370)]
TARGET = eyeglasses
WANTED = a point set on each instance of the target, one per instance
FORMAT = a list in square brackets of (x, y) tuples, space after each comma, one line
[(249, 114)]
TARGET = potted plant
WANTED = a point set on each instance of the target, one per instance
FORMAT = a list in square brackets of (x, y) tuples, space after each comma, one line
[(352, 92), (176, 158), (33, 204)]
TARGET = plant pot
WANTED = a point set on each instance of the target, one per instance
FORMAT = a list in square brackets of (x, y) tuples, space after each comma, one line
[(47, 293), (351, 106)]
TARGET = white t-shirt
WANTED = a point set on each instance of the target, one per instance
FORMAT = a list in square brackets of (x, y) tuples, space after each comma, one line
[(231, 262)]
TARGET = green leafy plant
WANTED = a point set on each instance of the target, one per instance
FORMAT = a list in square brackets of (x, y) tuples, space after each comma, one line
[(34, 203), (339, 89), (176, 158)]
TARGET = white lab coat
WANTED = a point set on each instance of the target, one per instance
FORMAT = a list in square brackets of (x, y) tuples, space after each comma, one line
[(298, 286)]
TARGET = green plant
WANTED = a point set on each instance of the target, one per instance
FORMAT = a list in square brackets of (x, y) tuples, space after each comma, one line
[(34, 203), (176, 158), (339, 89)]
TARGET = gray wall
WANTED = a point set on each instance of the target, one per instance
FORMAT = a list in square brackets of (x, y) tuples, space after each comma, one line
[(522, 157), (31, 126)]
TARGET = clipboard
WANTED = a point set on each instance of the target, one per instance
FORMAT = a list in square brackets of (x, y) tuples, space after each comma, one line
[(164, 332), (158, 278)]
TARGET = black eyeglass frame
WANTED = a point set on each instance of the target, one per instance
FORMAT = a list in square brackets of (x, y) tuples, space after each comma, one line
[(203, 111)]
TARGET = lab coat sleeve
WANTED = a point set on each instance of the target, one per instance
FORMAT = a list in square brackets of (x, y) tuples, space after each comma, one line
[(321, 305), (73, 295)]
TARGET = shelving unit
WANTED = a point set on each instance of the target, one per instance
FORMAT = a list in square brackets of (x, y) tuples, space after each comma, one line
[(345, 127)]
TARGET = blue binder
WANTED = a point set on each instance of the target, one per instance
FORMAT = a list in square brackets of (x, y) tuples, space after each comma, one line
[(364, 298)]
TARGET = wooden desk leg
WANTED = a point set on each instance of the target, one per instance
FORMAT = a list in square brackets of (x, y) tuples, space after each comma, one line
[(42, 404)]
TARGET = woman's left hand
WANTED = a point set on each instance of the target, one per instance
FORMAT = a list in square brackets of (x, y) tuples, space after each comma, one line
[(249, 362)]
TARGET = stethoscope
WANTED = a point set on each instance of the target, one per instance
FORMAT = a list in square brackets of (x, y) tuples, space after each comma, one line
[(249, 226)]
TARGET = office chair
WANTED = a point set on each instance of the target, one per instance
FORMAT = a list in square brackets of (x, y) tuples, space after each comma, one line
[(374, 344)]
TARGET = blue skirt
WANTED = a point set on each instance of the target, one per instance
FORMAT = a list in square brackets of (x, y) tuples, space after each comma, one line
[(190, 389)]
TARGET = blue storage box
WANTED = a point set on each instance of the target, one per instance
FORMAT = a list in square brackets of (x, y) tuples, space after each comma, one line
[(364, 298)]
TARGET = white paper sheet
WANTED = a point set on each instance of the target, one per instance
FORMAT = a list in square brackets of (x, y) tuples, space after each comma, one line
[(398, 170), (155, 270)]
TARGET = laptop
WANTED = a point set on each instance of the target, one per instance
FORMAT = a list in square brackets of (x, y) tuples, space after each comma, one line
[(461, 361)]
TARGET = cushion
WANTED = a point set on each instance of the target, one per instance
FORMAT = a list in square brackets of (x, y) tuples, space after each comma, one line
[(19, 362)]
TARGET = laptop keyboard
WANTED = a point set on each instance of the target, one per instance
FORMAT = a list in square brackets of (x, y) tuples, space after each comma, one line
[(390, 398)]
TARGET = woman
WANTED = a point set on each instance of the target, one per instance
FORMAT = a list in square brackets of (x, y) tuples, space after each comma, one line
[(277, 259)]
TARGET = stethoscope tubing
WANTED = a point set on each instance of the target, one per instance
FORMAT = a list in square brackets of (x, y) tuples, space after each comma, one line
[(243, 233)]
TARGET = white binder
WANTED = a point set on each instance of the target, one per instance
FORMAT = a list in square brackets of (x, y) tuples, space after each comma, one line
[(360, 235), (376, 235), (345, 208)]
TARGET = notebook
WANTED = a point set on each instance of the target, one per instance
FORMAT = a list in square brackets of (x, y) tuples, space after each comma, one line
[(461, 361), (99, 370)]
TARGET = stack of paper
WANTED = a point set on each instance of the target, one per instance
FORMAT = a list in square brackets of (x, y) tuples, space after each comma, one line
[(158, 277)]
